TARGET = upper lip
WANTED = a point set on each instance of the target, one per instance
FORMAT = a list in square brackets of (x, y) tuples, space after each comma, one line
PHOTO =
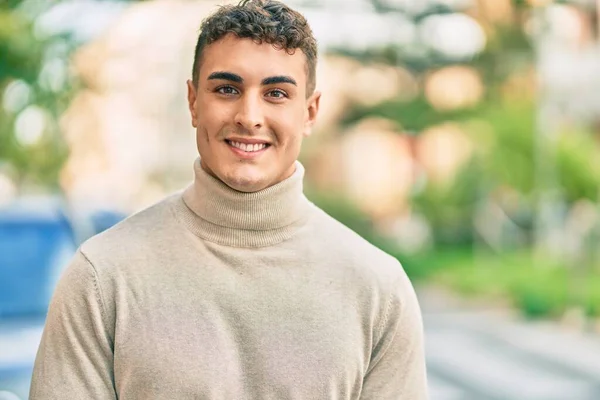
[(247, 140)]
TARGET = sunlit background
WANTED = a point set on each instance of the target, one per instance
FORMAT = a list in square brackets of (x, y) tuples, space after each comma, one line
[(461, 136)]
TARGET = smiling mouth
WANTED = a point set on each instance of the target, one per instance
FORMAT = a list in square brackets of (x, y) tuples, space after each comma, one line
[(248, 148)]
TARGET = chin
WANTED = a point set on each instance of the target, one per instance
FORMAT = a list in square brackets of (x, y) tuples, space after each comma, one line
[(246, 181)]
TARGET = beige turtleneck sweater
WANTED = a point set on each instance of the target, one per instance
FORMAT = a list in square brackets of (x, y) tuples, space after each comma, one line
[(217, 294)]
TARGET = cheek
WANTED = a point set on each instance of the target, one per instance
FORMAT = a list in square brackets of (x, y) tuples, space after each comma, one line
[(202, 135), (211, 119), (290, 127)]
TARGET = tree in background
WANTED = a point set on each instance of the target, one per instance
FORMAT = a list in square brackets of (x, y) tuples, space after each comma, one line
[(502, 124), (34, 89)]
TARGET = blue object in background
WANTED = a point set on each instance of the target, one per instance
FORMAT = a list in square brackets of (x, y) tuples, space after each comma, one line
[(104, 219), (37, 241)]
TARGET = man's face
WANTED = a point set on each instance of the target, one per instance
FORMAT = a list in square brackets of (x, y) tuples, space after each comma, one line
[(251, 111)]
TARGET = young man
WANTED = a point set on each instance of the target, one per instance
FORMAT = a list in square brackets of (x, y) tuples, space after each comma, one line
[(238, 287)]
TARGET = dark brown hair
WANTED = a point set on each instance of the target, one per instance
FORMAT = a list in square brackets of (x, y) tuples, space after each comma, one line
[(264, 21)]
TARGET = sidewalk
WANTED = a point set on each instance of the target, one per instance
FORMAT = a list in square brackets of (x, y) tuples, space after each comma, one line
[(479, 353)]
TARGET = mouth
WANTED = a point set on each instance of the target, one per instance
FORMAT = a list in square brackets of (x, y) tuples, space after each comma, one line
[(248, 147)]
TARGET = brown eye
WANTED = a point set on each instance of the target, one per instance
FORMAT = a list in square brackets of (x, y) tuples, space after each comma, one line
[(277, 94), (227, 90)]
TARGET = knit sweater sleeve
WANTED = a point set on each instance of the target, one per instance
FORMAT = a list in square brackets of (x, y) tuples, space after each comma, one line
[(75, 356), (397, 366)]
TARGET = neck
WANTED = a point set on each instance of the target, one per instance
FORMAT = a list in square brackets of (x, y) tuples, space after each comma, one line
[(227, 216)]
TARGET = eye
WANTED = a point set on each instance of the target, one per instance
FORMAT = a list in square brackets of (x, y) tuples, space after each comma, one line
[(227, 90), (277, 94)]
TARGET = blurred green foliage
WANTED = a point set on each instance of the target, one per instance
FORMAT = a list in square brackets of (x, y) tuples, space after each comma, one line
[(20, 53), (539, 287), (23, 55), (579, 165), (412, 116), (449, 209)]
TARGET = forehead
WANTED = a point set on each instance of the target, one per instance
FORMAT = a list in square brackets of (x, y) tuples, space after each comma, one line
[(250, 60)]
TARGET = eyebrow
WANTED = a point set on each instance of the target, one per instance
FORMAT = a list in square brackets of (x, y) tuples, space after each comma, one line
[(230, 76), (278, 79), (226, 76)]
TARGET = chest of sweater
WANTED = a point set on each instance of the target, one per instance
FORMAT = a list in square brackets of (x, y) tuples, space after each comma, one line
[(240, 325)]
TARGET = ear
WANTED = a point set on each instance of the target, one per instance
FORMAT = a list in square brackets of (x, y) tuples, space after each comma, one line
[(312, 108), (192, 95)]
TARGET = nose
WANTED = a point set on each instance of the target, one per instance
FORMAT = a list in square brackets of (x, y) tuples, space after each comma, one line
[(250, 114)]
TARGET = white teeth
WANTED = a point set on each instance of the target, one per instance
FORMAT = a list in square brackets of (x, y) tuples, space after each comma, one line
[(249, 147)]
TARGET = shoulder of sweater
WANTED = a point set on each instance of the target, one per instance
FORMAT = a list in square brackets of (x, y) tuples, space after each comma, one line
[(134, 234), (363, 262), (356, 250)]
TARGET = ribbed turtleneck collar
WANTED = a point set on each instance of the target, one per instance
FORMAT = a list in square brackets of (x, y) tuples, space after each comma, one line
[(226, 216)]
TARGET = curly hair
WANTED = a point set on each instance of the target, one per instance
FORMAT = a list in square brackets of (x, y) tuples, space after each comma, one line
[(264, 21)]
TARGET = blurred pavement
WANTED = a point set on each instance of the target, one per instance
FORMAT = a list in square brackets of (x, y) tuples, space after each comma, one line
[(490, 355)]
